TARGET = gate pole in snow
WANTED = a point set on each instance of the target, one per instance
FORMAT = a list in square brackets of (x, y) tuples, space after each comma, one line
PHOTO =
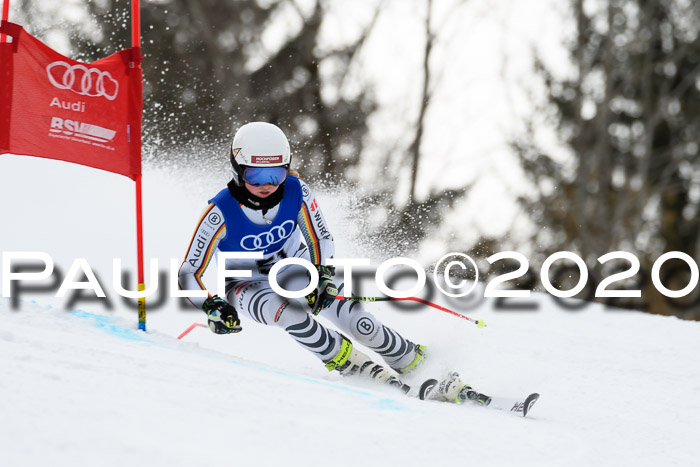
[(5, 15), (136, 43), (135, 63)]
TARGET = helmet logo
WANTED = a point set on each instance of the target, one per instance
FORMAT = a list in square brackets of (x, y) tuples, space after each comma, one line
[(266, 159)]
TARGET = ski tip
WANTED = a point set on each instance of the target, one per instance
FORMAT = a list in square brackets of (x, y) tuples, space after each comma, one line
[(529, 402), (426, 387)]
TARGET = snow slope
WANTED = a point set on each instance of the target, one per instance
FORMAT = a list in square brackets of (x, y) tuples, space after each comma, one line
[(85, 388)]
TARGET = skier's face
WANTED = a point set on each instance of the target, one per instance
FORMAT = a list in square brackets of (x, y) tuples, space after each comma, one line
[(262, 191)]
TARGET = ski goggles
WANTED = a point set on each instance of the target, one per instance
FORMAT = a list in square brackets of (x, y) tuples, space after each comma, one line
[(258, 176)]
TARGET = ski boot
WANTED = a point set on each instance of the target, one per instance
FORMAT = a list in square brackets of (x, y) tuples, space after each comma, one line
[(417, 361), (452, 389), (350, 362)]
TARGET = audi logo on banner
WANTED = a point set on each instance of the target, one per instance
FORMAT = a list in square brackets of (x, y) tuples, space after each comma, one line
[(265, 239), (91, 82)]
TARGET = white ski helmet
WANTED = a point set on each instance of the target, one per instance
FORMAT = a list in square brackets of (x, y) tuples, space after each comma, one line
[(260, 144)]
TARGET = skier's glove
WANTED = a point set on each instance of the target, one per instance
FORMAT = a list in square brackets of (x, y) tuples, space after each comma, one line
[(223, 318), (325, 293)]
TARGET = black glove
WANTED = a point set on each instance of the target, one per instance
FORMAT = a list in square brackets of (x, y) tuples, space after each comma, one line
[(325, 293), (223, 318)]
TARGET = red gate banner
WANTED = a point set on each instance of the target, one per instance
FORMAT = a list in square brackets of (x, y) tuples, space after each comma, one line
[(58, 108)]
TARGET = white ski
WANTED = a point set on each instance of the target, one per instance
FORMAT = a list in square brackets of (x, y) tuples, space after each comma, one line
[(516, 406)]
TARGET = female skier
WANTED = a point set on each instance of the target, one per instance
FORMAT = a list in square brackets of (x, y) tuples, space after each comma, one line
[(266, 208)]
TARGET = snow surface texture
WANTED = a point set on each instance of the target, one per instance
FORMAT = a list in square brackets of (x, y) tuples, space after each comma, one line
[(85, 388)]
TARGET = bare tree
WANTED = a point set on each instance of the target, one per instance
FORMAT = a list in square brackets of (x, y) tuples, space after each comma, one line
[(629, 119), (414, 148), (407, 224)]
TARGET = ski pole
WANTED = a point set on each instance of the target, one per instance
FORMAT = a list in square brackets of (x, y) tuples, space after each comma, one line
[(187, 331), (479, 322)]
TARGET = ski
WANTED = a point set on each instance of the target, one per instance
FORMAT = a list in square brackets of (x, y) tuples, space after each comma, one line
[(512, 405), (516, 406)]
